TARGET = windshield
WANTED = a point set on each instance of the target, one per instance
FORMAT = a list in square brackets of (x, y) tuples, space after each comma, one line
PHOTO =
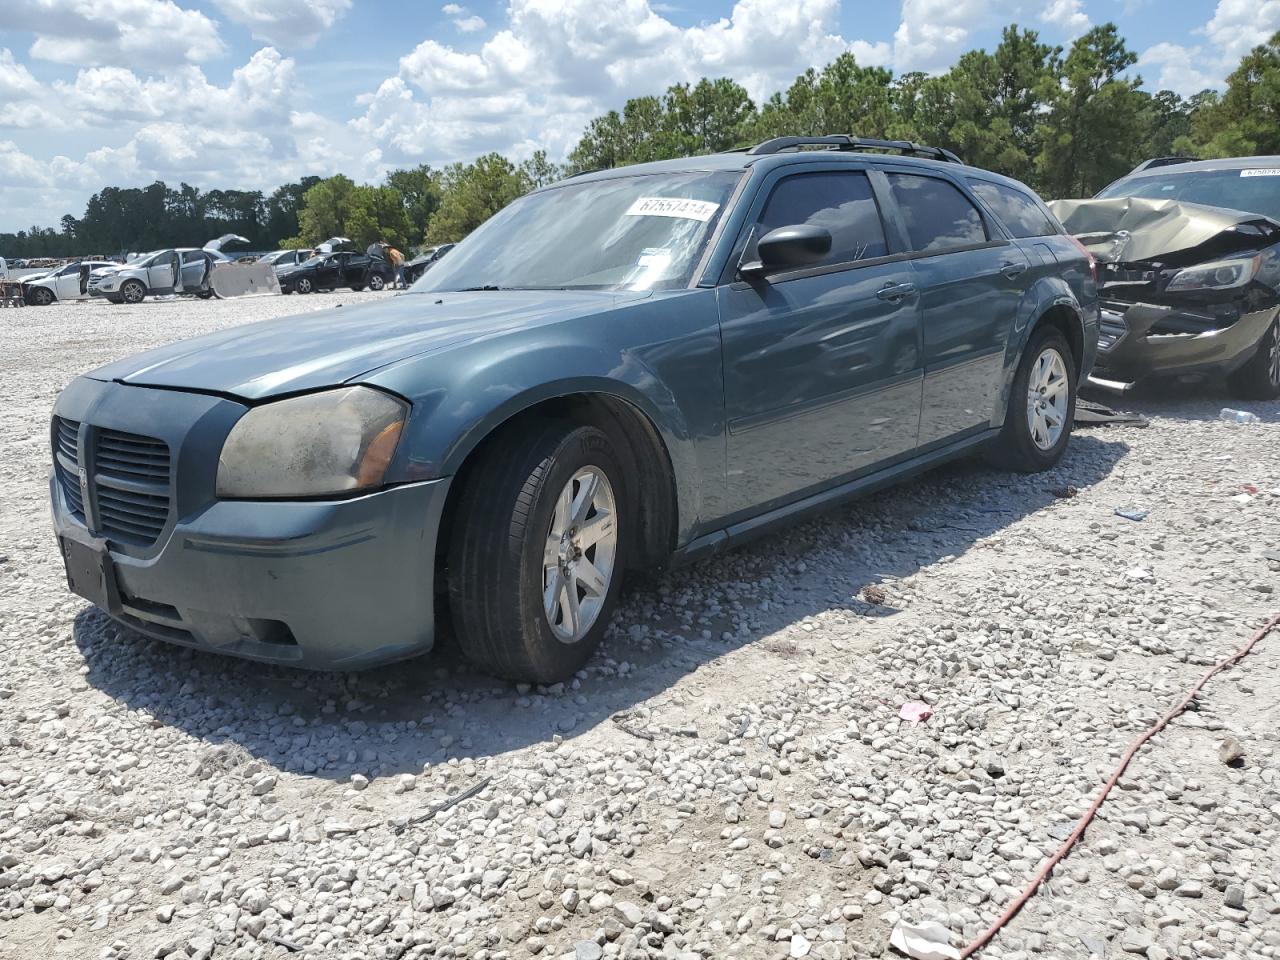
[(1251, 191), (627, 233)]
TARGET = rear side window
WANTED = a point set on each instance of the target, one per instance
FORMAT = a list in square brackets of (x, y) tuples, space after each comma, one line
[(840, 202), (938, 216), (1023, 216)]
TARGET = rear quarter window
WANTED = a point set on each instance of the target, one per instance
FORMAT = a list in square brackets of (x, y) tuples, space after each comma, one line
[(1021, 214)]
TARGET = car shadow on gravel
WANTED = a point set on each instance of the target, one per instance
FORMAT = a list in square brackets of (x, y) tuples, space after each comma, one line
[(434, 709)]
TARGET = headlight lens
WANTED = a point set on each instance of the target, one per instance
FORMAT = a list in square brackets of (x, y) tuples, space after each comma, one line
[(1222, 275), (322, 444)]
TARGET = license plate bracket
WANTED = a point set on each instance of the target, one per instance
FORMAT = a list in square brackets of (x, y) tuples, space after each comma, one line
[(90, 573)]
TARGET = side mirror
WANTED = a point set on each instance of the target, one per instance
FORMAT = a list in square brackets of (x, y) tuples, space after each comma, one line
[(787, 247)]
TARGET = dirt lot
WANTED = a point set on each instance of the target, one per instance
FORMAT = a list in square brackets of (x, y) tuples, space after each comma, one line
[(729, 778)]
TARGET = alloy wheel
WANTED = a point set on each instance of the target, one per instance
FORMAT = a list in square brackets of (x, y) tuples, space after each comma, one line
[(1274, 370), (304, 285), (1048, 398), (579, 559), (132, 292)]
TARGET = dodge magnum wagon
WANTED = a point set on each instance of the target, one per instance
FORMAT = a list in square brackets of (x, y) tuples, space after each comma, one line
[(628, 368)]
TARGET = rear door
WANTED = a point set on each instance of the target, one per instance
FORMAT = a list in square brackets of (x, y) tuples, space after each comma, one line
[(821, 364), (971, 280), (193, 265)]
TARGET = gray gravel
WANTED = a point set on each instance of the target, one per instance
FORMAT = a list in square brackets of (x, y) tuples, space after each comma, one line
[(728, 778)]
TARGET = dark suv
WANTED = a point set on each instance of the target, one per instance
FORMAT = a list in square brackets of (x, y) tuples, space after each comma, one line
[(627, 368)]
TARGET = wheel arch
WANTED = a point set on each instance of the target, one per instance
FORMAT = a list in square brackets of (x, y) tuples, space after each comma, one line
[(647, 452)]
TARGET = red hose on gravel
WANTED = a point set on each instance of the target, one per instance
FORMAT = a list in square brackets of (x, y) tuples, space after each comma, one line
[(985, 937)]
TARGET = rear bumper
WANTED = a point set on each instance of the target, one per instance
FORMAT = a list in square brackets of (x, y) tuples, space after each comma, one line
[(1128, 350)]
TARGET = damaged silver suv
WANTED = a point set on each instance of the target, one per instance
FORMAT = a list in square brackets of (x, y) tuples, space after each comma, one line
[(1190, 272)]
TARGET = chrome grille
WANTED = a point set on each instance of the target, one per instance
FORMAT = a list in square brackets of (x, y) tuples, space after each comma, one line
[(131, 485), (66, 463)]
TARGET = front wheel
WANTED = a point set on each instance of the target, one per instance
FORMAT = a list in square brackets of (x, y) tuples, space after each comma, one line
[(1042, 405), (132, 291), (536, 557), (1259, 379), (40, 297), (303, 285)]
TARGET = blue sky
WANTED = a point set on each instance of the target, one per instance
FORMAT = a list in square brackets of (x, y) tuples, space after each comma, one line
[(250, 93)]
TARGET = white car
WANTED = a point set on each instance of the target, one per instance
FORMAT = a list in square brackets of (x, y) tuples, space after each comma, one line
[(60, 283)]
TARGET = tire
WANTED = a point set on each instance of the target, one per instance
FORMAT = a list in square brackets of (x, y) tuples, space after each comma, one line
[(132, 291), (376, 282), (205, 294), (504, 532), (1259, 379), (40, 297), (1017, 448), (303, 285)]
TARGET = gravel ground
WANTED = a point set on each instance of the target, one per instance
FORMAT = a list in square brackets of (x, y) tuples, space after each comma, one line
[(728, 778)]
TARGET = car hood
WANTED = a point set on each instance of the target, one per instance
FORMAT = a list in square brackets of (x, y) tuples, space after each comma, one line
[(332, 346), (1132, 230)]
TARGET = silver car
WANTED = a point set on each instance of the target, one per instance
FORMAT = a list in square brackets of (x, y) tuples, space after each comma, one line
[(183, 270), (61, 283)]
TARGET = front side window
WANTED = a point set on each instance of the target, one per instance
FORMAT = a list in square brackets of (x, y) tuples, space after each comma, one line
[(1021, 214), (840, 202), (938, 216), (639, 232)]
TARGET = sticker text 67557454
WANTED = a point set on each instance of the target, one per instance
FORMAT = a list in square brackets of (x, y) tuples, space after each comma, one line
[(682, 207)]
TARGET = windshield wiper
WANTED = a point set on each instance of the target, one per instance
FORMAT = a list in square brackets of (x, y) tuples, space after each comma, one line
[(483, 286)]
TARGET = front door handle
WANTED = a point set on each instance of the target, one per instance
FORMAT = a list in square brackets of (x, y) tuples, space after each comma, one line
[(1013, 268), (894, 292)]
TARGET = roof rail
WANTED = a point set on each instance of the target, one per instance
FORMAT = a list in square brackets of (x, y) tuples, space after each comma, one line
[(1162, 162), (842, 142)]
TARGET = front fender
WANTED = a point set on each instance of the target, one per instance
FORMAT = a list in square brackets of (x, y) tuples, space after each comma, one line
[(662, 360)]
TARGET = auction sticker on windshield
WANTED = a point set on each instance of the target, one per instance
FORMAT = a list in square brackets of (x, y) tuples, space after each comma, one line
[(1261, 172), (682, 207)]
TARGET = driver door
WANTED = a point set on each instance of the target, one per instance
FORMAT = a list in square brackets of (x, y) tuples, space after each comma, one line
[(67, 283), (822, 364), (160, 274)]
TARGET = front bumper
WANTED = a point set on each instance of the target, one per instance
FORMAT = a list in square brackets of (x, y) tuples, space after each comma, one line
[(342, 584), (1128, 350)]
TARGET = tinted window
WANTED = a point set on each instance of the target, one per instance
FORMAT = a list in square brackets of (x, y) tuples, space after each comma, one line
[(840, 202), (937, 214), (1020, 213)]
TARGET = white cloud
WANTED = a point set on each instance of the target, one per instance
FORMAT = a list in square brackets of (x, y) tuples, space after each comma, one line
[(95, 32), (555, 64), (285, 23), (933, 33), (462, 18), (1236, 27), (1067, 15)]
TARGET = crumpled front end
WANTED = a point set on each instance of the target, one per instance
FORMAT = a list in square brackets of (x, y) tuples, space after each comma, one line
[(1186, 290)]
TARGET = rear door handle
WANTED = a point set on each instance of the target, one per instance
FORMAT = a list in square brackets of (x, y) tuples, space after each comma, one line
[(893, 292), (1013, 268)]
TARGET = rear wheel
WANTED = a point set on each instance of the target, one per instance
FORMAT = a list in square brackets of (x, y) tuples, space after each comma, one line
[(376, 282), (536, 559), (1259, 379), (132, 291), (1042, 405)]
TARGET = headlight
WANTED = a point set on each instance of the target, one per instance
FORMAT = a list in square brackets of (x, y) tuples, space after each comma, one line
[(1222, 275), (322, 444)]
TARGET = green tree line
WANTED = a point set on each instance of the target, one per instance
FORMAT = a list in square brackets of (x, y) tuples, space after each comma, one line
[(1066, 121)]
